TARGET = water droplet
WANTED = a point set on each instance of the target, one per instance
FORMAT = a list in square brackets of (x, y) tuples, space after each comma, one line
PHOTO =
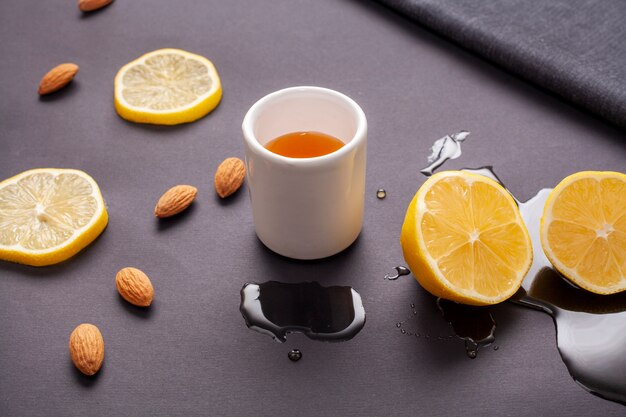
[(294, 355), (400, 271), (412, 305), (472, 354), (403, 331), (496, 347), (398, 325), (448, 147), (381, 193)]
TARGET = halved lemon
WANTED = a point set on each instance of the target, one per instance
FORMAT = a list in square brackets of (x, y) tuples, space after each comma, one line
[(167, 87), (464, 239), (583, 230), (48, 215)]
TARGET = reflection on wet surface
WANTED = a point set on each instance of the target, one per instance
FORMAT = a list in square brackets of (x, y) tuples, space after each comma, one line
[(322, 313)]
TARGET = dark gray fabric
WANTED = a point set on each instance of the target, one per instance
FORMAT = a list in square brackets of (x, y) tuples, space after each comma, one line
[(575, 48)]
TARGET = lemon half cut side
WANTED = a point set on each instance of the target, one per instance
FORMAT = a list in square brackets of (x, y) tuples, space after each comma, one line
[(583, 230), (47, 215), (464, 239), (167, 87)]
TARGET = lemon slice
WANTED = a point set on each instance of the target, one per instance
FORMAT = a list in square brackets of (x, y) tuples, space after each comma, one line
[(464, 239), (583, 230), (48, 215), (167, 87)]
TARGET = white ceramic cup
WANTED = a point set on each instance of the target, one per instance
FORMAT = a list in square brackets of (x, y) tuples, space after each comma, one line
[(306, 208)]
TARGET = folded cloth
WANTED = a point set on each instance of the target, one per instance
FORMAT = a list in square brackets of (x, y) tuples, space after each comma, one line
[(575, 48)]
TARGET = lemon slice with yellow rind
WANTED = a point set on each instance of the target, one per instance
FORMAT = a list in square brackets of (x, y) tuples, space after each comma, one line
[(48, 215), (168, 87), (583, 230), (464, 239)]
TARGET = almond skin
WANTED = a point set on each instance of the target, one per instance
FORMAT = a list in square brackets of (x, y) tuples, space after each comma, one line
[(134, 286), (91, 5), (87, 348), (175, 200), (57, 78), (229, 176)]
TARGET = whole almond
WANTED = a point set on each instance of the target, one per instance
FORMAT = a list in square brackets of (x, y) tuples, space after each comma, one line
[(87, 348), (134, 286), (175, 200), (91, 5), (57, 78), (229, 176)]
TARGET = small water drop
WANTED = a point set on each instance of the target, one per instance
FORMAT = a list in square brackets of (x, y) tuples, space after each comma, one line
[(294, 355), (471, 348), (496, 347), (381, 193), (412, 305), (398, 325), (403, 331), (400, 271)]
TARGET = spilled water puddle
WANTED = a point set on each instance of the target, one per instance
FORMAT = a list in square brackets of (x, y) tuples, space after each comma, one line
[(332, 314), (474, 325)]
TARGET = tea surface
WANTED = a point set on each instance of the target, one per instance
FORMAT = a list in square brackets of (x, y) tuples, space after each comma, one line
[(308, 144)]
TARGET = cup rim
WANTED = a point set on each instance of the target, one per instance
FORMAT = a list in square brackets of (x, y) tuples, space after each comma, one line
[(253, 142)]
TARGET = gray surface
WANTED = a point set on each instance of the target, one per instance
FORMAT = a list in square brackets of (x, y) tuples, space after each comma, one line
[(190, 353), (575, 48)]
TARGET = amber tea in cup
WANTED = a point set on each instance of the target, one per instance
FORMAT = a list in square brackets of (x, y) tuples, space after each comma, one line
[(307, 144)]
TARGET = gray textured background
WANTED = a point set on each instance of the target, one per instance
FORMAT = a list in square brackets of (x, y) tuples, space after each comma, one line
[(190, 353)]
